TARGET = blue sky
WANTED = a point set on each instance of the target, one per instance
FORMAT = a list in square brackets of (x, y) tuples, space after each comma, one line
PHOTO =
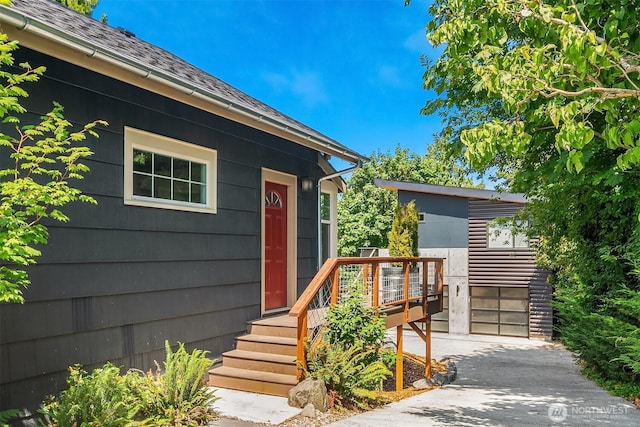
[(347, 68)]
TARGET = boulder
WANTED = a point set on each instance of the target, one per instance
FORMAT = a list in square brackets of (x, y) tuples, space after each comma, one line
[(309, 391)]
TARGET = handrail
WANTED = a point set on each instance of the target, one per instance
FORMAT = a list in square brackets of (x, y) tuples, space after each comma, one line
[(327, 280), (321, 276)]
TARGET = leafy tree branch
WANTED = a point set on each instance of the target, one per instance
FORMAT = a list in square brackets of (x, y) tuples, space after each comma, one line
[(521, 51), (43, 160), (546, 97)]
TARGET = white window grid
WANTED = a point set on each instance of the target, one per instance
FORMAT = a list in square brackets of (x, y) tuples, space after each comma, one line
[(189, 181)]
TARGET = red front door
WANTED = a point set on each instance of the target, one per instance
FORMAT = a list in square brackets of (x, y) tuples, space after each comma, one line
[(275, 246)]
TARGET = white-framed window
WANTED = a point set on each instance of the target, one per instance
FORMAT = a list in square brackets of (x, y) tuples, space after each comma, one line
[(328, 220), (422, 217), (502, 234), (166, 173)]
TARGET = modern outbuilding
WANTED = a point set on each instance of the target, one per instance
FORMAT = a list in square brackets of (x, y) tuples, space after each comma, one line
[(492, 283)]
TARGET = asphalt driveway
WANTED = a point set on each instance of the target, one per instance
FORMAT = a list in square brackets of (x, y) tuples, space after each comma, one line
[(503, 382)]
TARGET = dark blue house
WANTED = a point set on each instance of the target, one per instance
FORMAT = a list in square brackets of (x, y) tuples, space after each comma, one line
[(208, 210)]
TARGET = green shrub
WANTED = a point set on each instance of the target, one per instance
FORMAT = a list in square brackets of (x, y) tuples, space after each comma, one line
[(403, 237), (179, 396), (105, 398), (347, 370), (352, 322), (102, 398), (605, 337), (630, 351), (349, 356), (8, 415)]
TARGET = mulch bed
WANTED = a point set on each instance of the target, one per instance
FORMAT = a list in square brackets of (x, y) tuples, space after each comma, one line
[(412, 371)]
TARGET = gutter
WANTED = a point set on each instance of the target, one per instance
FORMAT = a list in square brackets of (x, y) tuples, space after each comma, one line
[(23, 23), (357, 166)]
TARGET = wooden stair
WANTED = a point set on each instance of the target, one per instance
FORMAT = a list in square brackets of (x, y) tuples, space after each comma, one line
[(264, 360)]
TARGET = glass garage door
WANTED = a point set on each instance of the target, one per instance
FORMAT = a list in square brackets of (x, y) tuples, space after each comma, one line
[(500, 311)]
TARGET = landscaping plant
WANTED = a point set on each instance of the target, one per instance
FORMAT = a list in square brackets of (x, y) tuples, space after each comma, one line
[(350, 373), (8, 415), (101, 398), (403, 237), (39, 164), (179, 396), (105, 398), (350, 356)]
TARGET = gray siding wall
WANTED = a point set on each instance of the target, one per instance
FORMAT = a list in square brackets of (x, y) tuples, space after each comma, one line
[(117, 281), (444, 235), (507, 267), (446, 220)]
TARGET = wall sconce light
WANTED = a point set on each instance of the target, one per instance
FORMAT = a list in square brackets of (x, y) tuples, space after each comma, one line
[(307, 184)]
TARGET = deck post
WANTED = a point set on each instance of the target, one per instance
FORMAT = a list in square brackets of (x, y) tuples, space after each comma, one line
[(405, 292), (375, 300), (425, 286), (440, 283), (365, 279), (427, 366), (335, 286), (301, 357), (399, 360)]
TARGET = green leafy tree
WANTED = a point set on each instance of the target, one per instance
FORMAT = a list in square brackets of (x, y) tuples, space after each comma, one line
[(403, 237), (83, 6), (546, 94), (39, 163), (565, 75), (365, 212)]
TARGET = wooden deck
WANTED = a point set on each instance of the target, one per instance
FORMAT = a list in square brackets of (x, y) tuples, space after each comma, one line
[(271, 357)]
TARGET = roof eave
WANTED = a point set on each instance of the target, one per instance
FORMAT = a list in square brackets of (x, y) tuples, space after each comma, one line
[(251, 117), (445, 190)]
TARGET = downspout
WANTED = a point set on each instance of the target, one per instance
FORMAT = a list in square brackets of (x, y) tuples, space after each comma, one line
[(357, 166)]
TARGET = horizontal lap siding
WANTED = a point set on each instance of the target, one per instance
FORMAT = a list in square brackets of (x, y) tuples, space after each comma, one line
[(495, 267), (116, 281), (507, 267), (540, 311)]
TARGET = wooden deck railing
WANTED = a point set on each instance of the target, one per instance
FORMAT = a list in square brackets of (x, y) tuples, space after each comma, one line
[(415, 289)]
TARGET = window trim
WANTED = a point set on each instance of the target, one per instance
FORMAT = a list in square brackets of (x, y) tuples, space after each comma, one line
[(422, 217), (492, 226), (158, 144), (329, 188)]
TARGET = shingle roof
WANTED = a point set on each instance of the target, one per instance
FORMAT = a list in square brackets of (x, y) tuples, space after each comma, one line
[(68, 24), (445, 190)]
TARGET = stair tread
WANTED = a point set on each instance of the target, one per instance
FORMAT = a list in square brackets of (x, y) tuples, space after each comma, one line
[(255, 355), (268, 339), (247, 374), (285, 321)]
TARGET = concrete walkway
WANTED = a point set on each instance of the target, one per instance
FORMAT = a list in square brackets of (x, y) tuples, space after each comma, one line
[(501, 382)]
